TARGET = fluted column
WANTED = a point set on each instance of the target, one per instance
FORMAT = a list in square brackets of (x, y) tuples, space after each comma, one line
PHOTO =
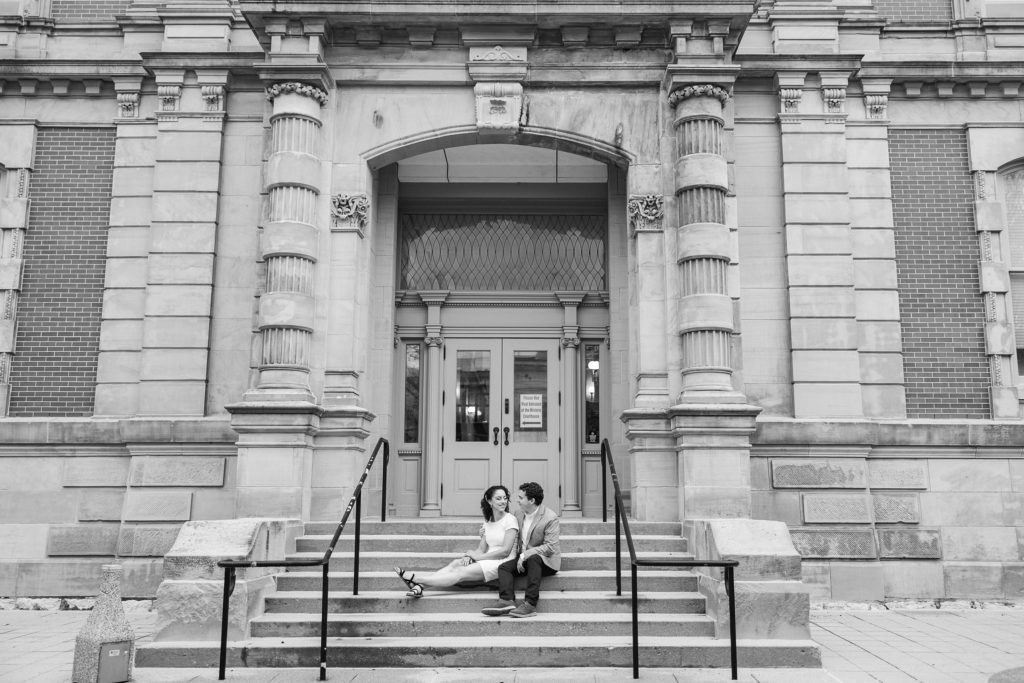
[(290, 242), (705, 312), (431, 506)]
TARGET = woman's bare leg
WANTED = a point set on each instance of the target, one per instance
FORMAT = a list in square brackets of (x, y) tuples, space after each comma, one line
[(449, 576)]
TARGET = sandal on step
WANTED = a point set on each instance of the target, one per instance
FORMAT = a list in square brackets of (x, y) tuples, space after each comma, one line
[(415, 589)]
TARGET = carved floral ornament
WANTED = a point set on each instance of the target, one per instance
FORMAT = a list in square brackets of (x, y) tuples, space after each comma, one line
[(128, 105), (645, 212), (310, 91), (500, 54), (707, 90), (350, 210)]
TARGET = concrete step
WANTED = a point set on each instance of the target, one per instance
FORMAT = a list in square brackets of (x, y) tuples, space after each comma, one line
[(466, 526), (550, 624), (384, 561), (485, 651), (458, 544), (470, 602), (568, 580)]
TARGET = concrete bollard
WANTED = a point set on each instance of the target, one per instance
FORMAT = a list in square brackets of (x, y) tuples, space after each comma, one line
[(105, 647)]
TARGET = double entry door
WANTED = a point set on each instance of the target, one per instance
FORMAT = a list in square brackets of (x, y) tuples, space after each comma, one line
[(501, 419)]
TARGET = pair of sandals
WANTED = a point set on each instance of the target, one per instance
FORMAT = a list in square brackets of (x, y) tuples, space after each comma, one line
[(415, 589)]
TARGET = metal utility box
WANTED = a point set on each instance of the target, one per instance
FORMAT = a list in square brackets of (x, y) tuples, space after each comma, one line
[(114, 660)]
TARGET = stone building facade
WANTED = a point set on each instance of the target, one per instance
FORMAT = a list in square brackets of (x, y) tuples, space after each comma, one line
[(772, 251)]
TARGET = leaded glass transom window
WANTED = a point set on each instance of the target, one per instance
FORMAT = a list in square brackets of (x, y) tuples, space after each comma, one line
[(480, 252)]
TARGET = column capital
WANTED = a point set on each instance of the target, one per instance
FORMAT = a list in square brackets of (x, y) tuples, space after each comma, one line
[(701, 90), (350, 212), (645, 213), (292, 87)]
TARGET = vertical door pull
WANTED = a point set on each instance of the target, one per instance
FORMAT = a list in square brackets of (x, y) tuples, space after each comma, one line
[(506, 406), (506, 436), (495, 436)]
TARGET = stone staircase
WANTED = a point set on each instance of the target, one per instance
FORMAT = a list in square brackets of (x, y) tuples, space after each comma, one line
[(581, 622)]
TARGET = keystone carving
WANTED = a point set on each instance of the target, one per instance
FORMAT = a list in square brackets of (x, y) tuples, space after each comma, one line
[(498, 105)]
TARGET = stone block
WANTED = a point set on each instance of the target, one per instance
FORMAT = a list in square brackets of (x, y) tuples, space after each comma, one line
[(822, 302), (128, 242), (881, 368), (219, 504), (825, 270), (913, 580), (176, 471), (817, 579), (872, 182), (759, 477), (133, 182), (118, 367), (763, 547), (813, 148), (823, 333), (980, 544), (100, 505), (201, 544), (764, 609), (123, 304), (961, 509), (898, 508), (874, 274), (825, 366), (654, 468), (871, 242), (172, 398), (857, 581), (130, 211), (868, 154), (817, 208), (157, 506), (973, 474), (181, 269), (834, 543), (146, 540), (884, 401), (836, 509), (120, 335), (827, 400), (96, 471), (35, 472), (173, 364), (9, 577), (190, 146), (781, 506), (879, 336), (116, 399), (82, 539), (815, 177), (125, 272), (897, 474), (69, 578), (134, 151), (38, 507), (23, 541), (189, 177), (878, 305), (824, 473), (912, 544), (973, 579), (191, 610), (1017, 475), (178, 300), (177, 332), (168, 237), (818, 239), (1013, 581)]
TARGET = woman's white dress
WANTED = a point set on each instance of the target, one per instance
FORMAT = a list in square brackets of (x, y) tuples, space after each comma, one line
[(494, 534)]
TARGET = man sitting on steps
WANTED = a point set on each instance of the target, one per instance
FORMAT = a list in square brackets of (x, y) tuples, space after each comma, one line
[(538, 554)]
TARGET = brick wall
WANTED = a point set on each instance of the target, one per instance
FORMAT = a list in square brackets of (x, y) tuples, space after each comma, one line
[(937, 259), (915, 11), (57, 345), (87, 11)]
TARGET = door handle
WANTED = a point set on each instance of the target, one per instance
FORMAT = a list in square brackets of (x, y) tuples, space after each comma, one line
[(506, 406), (506, 436), (495, 436)]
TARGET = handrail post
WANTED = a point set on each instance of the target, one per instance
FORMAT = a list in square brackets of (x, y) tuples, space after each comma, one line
[(618, 552), (324, 586), (636, 622), (355, 548), (730, 590), (604, 484), (229, 575), (384, 485)]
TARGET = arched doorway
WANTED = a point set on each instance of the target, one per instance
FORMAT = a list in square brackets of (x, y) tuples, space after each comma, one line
[(502, 287)]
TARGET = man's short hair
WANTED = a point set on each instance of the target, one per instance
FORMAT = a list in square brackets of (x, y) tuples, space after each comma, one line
[(533, 491)]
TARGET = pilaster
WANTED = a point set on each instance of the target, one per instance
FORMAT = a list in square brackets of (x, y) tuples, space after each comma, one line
[(571, 402), (431, 505), (819, 245), (17, 149), (179, 275), (646, 220)]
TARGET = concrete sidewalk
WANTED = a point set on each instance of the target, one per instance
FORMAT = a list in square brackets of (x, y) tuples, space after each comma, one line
[(929, 645)]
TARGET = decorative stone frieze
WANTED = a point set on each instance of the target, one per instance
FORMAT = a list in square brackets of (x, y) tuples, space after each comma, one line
[(498, 106), (128, 105), (350, 212), (310, 91), (170, 97), (645, 213)]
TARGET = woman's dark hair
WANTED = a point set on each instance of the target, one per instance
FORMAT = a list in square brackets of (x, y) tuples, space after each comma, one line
[(533, 491), (485, 502)]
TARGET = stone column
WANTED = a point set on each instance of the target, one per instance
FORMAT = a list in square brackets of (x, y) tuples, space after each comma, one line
[(570, 406), (290, 243), (17, 143), (431, 506), (712, 423), (703, 245)]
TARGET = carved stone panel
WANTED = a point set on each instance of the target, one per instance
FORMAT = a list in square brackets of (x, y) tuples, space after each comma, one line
[(914, 544), (897, 474), (834, 543), (836, 508), (498, 106), (901, 508), (818, 474)]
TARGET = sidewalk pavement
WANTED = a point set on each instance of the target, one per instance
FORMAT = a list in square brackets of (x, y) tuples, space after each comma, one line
[(928, 645)]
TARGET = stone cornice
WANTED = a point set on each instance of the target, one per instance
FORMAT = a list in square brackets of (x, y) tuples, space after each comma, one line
[(49, 69)]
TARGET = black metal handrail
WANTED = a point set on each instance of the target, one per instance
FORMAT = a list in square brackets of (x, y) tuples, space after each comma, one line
[(356, 501), (607, 464)]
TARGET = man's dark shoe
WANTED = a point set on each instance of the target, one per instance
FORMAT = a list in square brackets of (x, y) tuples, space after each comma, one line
[(524, 610), (499, 608)]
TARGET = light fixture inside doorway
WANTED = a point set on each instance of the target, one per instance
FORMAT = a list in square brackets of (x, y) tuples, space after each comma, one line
[(591, 387)]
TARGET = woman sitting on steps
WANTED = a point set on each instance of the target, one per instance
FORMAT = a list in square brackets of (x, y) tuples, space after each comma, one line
[(497, 543)]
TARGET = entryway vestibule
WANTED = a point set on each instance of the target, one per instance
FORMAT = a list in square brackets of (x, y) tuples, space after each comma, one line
[(502, 326)]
